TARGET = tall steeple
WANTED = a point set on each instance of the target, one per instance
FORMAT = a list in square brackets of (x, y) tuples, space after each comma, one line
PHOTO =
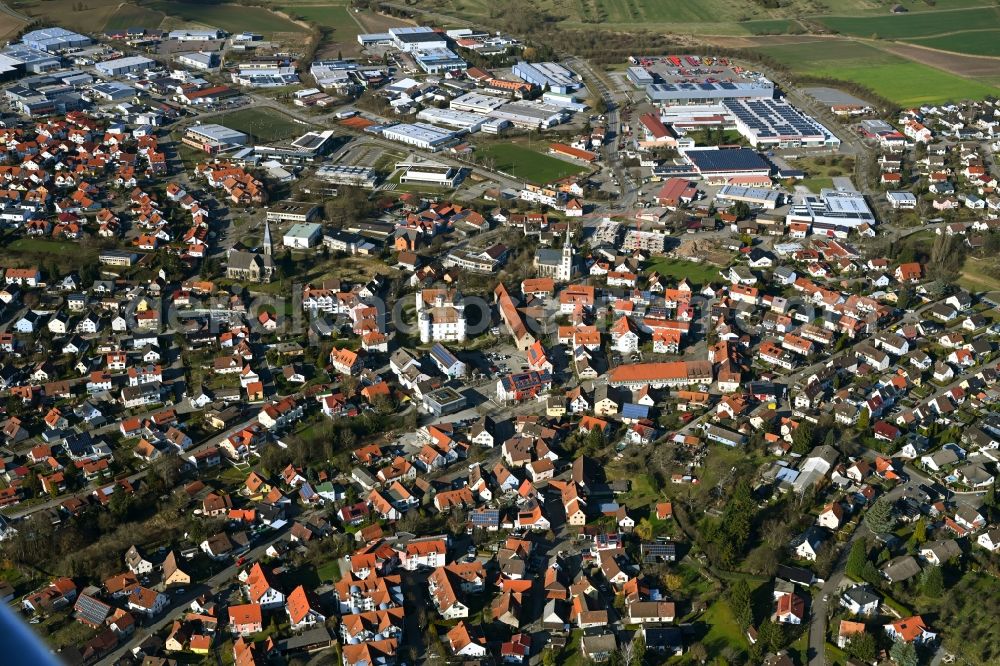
[(566, 266), (267, 239)]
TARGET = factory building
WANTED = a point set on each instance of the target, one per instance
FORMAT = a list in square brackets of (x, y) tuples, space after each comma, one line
[(344, 174), (547, 74), (530, 114), (421, 135), (699, 93), (122, 66), (462, 120), (54, 40), (832, 210), (475, 102)]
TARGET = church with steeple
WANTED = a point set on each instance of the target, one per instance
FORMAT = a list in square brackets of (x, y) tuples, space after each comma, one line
[(252, 266), (560, 265)]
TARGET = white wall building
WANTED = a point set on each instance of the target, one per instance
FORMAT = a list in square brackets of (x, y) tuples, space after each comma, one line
[(440, 316)]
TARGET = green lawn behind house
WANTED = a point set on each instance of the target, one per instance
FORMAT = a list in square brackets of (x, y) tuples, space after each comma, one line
[(698, 274)]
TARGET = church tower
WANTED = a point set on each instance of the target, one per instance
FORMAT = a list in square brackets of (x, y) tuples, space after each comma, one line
[(566, 265), (267, 249)]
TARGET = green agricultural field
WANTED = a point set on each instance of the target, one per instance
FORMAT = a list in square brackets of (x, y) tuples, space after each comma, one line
[(263, 124), (337, 17), (232, 18), (978, 42), (531, 165), (910, 25), (903, 81), (911, 84), (700, 17), (131, 16), (813, 52), (767, 27), (698, 274)]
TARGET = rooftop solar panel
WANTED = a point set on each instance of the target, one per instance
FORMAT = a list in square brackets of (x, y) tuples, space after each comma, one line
[(92, 610)]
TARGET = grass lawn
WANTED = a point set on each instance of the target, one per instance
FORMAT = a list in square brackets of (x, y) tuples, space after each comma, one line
[(816, 184), (697, 274), (643, 492), (263, 124), (835, 656), (531, 165), (329, 571), (60, 630), (43, 246), (572, 655), (980, 275), (305, 576), (232, 18), (40, 249), (801, 646), (723, 631)]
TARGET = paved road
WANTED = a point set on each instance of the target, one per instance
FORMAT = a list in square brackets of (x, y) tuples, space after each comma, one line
[(611, 155), (828, 597)]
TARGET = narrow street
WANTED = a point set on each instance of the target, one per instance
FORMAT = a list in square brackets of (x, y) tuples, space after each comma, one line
[(178, 602)]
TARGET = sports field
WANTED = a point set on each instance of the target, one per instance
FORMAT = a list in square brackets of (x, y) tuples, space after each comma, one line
[(264, 124), (903, 81), (528, 164)]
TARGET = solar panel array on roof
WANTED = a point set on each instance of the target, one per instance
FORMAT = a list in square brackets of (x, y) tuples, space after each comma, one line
[(309, 141), (443, 356), (727, 160), (634, 411), (658, 552), (774, 119), (485, 517), (92, 610)]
